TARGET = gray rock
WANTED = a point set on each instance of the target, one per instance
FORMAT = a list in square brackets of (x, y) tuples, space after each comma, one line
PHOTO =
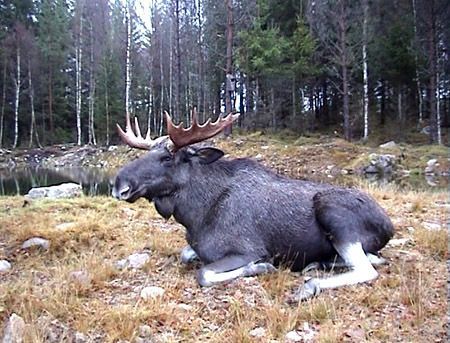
[(36, 242), (138, 260), (80, 337), (380, 164), (82, 277), (294, 336), (4, 266), (64, 190), (152, 292), (257, 332), (134, 261), (145, 331), (431, 166), (387, 145), (15, 330), (431, 226), (65, 226)]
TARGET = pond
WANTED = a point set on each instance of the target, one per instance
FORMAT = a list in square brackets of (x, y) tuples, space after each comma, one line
[(98, 181), (18, 181)]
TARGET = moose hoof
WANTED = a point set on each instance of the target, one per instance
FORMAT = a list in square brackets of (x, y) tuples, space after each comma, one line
[(188, 255), (309, 290)]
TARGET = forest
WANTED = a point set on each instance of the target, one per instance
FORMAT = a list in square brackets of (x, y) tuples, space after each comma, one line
[(71, 69)]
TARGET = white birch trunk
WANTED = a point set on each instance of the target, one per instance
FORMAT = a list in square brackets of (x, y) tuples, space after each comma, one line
[(16, 99), (128, 61), (365, 76), (161, 73), (170, 70), (91, 130), (78, 56)]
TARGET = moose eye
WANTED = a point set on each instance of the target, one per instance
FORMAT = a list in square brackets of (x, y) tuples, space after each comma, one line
[(166, 158)]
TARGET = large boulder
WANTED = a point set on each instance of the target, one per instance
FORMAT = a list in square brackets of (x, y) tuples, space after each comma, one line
[(64, 190), (380, 164)]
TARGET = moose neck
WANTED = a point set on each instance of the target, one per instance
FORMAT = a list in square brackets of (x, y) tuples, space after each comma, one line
[(195, 202)]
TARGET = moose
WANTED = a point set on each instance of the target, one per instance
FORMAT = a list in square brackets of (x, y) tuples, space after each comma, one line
[(243, 219)]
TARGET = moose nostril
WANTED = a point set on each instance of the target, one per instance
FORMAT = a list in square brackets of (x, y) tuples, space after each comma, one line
[(124, 189), (119, 193)]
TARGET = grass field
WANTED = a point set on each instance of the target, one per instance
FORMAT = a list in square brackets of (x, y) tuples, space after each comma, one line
[(407, 303)]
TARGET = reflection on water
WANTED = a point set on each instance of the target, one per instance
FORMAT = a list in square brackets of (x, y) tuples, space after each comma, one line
[(95, 181)]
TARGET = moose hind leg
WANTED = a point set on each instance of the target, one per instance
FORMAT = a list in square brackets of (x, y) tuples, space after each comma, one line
[(355, 258), (338, 263), (230, 268)]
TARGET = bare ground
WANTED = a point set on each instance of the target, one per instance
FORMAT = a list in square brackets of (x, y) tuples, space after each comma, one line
[(407, 303)]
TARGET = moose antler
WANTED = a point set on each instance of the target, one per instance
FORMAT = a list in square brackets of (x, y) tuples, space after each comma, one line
[(178, 136), (196, 133), (135, 140)]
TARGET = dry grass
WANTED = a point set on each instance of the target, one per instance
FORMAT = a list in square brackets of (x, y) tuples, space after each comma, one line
[(408, 302)]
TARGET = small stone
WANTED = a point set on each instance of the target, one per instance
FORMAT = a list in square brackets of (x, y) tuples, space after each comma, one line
[(15, 330), (81, 277), (294, 336), (145, 331), (138, 260), (387, 145), (432, 162), (122, 264), (431, 226), (36, 242), (65, 226), (259, 157), (4, 266), (257, 332), (152, 292), (80, 337)]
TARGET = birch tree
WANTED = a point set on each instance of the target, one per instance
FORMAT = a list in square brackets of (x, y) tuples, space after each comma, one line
[(365, 5), (128, 58), (78, 60)]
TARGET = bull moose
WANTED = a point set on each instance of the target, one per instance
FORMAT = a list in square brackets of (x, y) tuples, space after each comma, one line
[(243, 219)]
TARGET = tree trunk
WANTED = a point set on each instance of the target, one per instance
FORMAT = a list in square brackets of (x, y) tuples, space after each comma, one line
[(16, 98), (294, 98), (229, 87), (178, 57), (91, 128), (78, 56), (2, 112), (33, 128), (382, 102), (161, 75), (50, 104), (432, 70), (416, 60), (365, 76), (128, 61), (107, 108), (344, 69)]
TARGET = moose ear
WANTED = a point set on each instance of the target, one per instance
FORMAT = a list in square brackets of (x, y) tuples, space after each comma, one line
[(208, 155)]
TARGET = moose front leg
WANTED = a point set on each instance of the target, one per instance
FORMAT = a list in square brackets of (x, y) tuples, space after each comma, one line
[(230, 268), (188, 255)]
